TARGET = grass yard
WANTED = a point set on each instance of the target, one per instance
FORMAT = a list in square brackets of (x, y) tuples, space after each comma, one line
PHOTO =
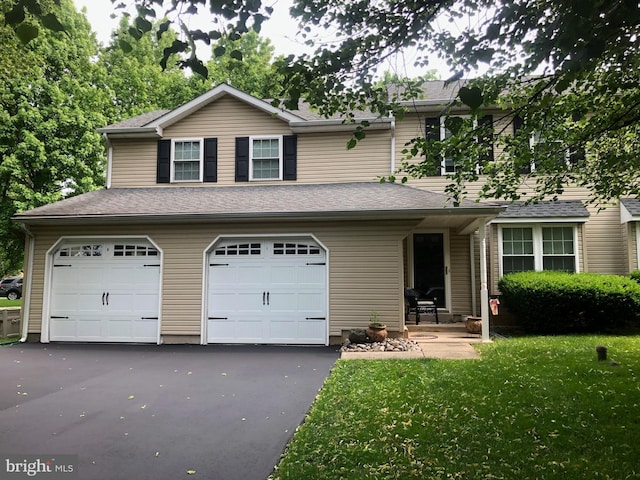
[(10, 303), (532, 408)]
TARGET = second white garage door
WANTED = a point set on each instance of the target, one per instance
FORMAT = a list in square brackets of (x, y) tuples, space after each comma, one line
[(267, 291)]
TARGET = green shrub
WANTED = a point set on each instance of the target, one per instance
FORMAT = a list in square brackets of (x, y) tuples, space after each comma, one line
[(635, 275), (557, 302)]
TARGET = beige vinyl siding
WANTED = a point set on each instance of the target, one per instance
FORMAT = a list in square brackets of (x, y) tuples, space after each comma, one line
[(460, 271), (605, 248), (133, 163), (631, 238), (365, 261), (322, 157)]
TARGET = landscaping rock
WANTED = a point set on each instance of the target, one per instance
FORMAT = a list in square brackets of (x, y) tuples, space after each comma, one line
[(389, 345)]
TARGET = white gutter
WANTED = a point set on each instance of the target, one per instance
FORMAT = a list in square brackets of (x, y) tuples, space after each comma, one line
[(337, 125), (393, 144), (109, 160), (26, 286)]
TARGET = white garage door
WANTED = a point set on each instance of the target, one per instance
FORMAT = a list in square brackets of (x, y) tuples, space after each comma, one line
[(105, 292), (267, 291)]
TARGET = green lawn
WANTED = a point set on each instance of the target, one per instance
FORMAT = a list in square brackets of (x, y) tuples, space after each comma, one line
[(10, 303), (532, 408)]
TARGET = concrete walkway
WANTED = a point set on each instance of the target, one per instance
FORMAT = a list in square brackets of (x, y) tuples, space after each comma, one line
[(445, 341)]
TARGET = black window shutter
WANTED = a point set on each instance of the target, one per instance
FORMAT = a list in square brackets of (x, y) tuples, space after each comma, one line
[(163, 171), (290, 153), (432, 134), (242, 159), (576, 156), (432, 128), (210, 160), (517, 125), (486, 140)]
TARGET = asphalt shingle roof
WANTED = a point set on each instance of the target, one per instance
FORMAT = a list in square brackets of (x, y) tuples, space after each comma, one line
[(632, 205), (251, 201), (138, 121), (556, 209)]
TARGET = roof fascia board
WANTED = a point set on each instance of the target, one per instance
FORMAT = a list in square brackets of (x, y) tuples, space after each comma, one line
[(132, 132), (541, 220), (417, 214), (218, 92), (314, 126)]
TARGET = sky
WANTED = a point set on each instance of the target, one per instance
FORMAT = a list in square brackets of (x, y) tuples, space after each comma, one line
[(280, 29)]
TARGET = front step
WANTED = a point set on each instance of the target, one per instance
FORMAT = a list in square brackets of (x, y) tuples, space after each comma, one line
[(436, 327)]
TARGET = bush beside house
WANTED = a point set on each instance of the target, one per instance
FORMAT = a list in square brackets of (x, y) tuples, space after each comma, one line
[(556, 302)]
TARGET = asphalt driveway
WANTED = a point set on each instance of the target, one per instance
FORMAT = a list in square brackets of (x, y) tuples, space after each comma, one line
[(157, 412)]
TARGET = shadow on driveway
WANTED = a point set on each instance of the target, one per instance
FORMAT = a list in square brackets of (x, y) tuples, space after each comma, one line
[(155, 412)]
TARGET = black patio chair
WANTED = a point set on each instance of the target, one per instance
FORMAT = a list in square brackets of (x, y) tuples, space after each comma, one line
[(419, 307)]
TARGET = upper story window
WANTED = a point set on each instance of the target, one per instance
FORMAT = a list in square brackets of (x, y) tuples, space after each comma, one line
[(538, 247), (265, 158), (437, 130), (186, 160), (549, 153)]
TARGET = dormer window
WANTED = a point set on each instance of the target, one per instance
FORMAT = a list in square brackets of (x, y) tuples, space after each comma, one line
[(186, 160), (266, 158)]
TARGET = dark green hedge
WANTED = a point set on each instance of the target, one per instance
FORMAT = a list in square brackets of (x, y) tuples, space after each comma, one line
[(556, 302)]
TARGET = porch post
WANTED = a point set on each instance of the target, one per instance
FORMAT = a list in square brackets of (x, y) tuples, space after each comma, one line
[(484, 291)]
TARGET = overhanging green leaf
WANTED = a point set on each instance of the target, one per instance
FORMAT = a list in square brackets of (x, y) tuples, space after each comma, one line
[(27, 32)]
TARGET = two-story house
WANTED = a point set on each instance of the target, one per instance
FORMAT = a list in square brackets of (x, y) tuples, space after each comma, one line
[(228, 220)]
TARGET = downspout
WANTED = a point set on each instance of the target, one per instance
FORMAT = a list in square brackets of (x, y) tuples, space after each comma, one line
[(26, 294), (109, 159), (474, 288), (484, 289), (393, 144)]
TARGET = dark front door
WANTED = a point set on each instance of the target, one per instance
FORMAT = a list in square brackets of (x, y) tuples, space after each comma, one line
[(428, 266)]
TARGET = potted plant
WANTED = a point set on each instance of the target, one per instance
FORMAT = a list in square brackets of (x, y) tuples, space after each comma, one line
[(474, 324), (377, 330)]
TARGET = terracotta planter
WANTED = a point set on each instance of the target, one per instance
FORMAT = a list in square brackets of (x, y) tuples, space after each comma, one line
[(474, 324), (377, 333)]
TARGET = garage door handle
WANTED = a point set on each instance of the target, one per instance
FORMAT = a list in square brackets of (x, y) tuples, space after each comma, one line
[(54, 316), (148, 318), (218, 318), (103, 294), (263, 297), (316, 318), (267, 298), (107, 299)]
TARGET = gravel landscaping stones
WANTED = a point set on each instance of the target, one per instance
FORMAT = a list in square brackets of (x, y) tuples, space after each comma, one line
[(390, 345)]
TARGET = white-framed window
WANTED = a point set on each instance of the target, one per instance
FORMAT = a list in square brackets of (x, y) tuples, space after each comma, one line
[(265, 158), (483, 138), (186, 159), (449, 166), (538, 247), (554, 149)]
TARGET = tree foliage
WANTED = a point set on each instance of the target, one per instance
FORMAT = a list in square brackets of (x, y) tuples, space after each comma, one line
[(584, 51), (50, 108), (134, 79)]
